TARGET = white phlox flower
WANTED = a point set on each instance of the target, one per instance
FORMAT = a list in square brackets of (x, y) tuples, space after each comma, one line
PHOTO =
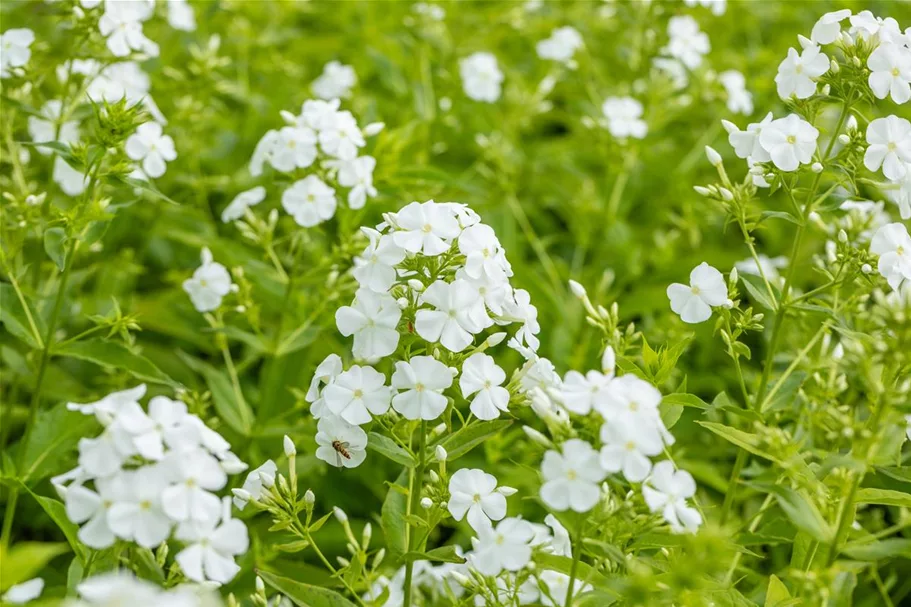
[(666, 491), (372, 320), (152, 147), (336, 81), (474, 493), (483, 378), (421, 382), (209, 284), (357, 394), (506, 546), (481, 77), (624, 117), (572, 477), (798, 72), (340, 444), (893, 245), (694, 302), (790, 142)]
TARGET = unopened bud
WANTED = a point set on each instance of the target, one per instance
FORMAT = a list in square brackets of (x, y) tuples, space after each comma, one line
[(842, 236), (242, 495), (834, 67), (438, 429), (309, 497), (267, 480), (260, 586), (608, 361), (734, 275), (340, 515), (826, 90), (416, 285), (440, 453), (378, 559), (730, 127), (857, 62), (726, 194), (866, 268), (496, 339), (288, 117), (507, 491), (537, 437), (728, 304), (577, 289), (702, 191), (367, 534), (844, 139), (402, 302), (288, 445), (373, 128), (426, 503), (434, 477), (851, 123), (713, 156)]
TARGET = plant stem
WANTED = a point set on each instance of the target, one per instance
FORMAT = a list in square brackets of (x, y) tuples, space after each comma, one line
[(414, 502), (577, 554), (10, 514)]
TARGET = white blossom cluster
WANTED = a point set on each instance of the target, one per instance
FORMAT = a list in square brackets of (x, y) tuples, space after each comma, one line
[(632, 433), (151, 474), (121, 23), (320, 144), (121, 587), (467, 293)]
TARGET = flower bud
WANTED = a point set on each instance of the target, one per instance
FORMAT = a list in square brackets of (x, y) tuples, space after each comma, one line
[(577, 289), (416, 285), (242, 495), (834, 67), (842, 236), (726, 194), (402, 302), (734, 275), (438, 429), (496, 339), (713, 156), (857, 62), (728, 304), (730, 127), (507, 491), (367, 534), (378, 559), (816, 167), (260, 587), (288, 445), (844, 139), (703, 191), (608, 360), (440, 453), (267, 480), (537, 437), (851, 124), (340, 515), (309, 497), (826, 90), (434, 477), (288, 117), (426, 503), (373, 128), (866, 268)]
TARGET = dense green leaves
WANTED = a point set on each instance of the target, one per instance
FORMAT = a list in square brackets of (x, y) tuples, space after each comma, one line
[(116, 356)]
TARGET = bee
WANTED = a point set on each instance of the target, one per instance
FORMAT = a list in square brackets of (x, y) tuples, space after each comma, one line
[(341, 450)]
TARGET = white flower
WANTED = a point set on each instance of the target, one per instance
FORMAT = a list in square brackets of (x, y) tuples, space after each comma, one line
[(121, 24), (339, 135), (893, 245), (457, 316), (337, 80), (289, 148), (900, 194), (15, 49), (694, 302), (211, 550), (632, 399), (264, 476), (122, 80), (71, 181), (91, 507), (475, 493), (828, 27), (481, 374), (104, 455), (357, 393), (106, 409), (137, 513), (740, 101), (718, 6), (152, 147), (561, 46), (45, 129), (374, 269), (560, 543), (118, 588), (483, 254), (508, 546), (624, 117), (580, 393), (481, 77), (865, 25), (315, 113), (195, 474), (666, 491), (209, 284), (325, 372), (165, 423), (340, 443), (372, 320), (769, 265), (520, 309), (426, 227), (557, 588), (242, 202), (797, 73), (309, 201), (687, 43), (627, 448), (746, 143), (790, 142), (571, 478), (422, 380), (890, 72), (19, 594), (180, 15), (890, 146), (357, 174)]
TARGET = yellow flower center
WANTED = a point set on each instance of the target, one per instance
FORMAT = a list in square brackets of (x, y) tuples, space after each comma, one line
[(792, 139)]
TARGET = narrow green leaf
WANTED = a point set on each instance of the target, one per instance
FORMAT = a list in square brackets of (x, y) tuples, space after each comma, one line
[(884, 497), (386, 446), (304, 595), (443, 554), (684, 399), (14, 318), (53, 438), (393, 516), (874, 551), (115, 355), (468, 438), (800, 510), (757, 290), (57, 511), (24, 560), (55, 246), (742, 439)]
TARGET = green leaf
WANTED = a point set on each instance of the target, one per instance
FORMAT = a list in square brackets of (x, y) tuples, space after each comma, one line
[(757, 290), (115, 355), (777, 595), (685, 400), (15, 319), (899, 473), (443, 554), (670, 413), (742, 439), (55, 434), (144, 186), (55, 246), (884, 497), (24, 560), (304, 595), (393, 516), (386, 446), (800, 510), (874, 551), (57, 512), (236, 413), (468, 438)]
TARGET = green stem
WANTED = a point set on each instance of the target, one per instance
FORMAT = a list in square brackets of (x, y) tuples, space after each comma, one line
[(732, 484), (577, 555), (10, 514), (414, 503)]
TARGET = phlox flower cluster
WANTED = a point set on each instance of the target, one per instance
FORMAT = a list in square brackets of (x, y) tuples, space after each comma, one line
[(319, 148), (153, 474), (632, 434), (121, 23), (436, 278), (121, 587)]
